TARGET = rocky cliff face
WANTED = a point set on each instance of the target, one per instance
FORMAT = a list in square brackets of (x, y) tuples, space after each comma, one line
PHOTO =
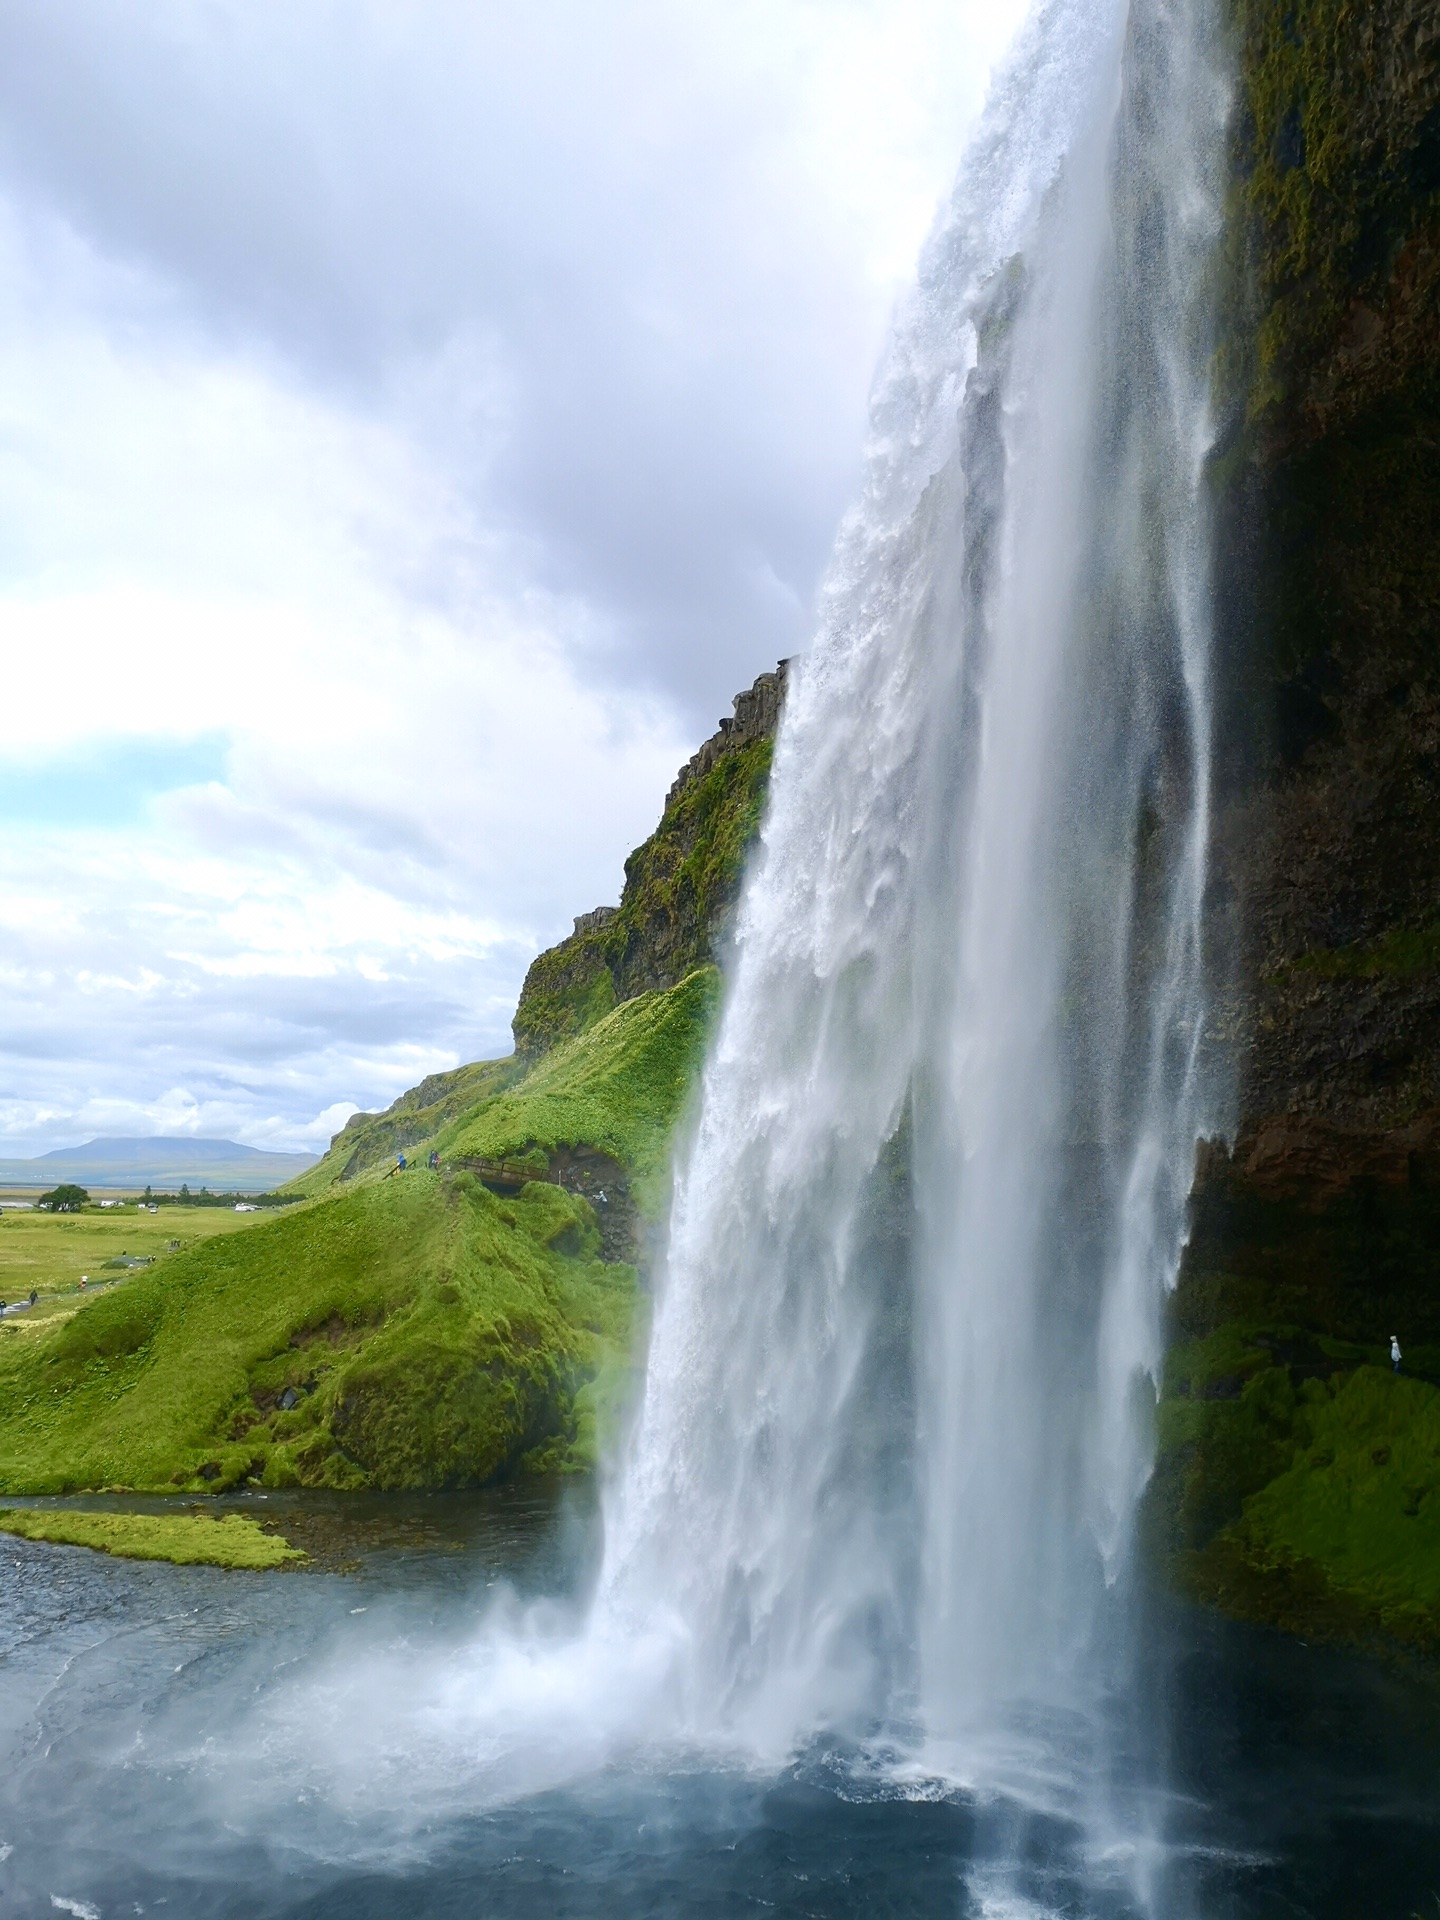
[(1338, 848), (1317, 1234), (680, 884)]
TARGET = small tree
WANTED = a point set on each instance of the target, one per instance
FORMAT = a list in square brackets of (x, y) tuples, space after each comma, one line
[(66, 1199)]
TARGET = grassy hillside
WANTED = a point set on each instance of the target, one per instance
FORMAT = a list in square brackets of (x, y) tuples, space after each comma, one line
[(374, 1139), (422, 1329), (620, 1087), (414, 1332), (398, 1330)]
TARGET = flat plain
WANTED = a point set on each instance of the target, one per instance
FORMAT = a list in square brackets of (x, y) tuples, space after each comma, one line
[(49, 1252)]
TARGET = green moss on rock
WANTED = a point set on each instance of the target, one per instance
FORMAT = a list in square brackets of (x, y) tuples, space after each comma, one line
[(567, 989), (680, 889), (1400, 951), (682, 883), (1297, 1476), (1308, 1499), (1339, 153)]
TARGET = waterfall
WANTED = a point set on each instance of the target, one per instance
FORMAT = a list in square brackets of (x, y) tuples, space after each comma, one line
[(874, 1513), (904, 1355)]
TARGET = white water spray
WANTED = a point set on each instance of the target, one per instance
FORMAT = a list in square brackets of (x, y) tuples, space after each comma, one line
[(896, 1419)]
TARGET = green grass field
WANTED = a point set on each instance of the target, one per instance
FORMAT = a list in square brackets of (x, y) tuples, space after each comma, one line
[(50, 1251)]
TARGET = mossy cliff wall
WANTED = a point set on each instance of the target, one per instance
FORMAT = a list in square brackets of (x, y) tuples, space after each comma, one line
[(1338, 203), (1318, 1234), (680, 885)]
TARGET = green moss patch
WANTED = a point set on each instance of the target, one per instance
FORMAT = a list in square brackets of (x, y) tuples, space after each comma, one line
[(1401, 952), (1361, 1499), (1339, 164), (1298, 1483), (1297, 1479), (188, 1540)]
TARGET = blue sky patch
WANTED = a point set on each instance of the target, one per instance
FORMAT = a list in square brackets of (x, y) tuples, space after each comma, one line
[(106, 782)]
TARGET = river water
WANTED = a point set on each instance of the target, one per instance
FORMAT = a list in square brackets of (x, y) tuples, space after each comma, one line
[(178, 1740)]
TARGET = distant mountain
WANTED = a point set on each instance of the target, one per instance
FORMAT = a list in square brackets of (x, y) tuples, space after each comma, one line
[(163, 1163)]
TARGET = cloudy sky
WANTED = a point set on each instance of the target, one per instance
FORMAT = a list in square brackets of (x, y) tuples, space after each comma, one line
[(417, 419)]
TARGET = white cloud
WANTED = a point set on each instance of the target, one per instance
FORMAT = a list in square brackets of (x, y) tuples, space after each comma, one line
[(413, 796), (413, 425)]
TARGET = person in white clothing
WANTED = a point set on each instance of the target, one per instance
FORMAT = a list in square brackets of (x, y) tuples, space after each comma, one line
[(1394, 1353)]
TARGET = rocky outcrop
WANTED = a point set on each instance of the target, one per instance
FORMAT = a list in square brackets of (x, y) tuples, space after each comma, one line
[(595, 921), (1288, 1157), (756, 717), (680, 885)]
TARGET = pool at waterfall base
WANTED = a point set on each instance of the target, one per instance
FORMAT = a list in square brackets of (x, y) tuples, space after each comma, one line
[(176, 1741)]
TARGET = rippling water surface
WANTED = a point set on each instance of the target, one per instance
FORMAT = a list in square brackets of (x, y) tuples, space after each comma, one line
[(176, 1739)]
